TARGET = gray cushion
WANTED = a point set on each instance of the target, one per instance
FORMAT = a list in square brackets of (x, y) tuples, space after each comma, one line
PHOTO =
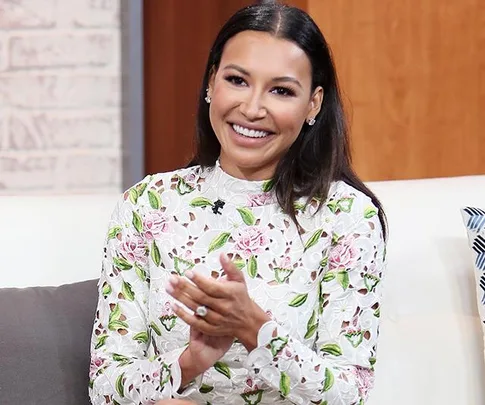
[(44, 344)]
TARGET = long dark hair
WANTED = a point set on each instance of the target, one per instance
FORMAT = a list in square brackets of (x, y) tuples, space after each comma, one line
[(321, 153)]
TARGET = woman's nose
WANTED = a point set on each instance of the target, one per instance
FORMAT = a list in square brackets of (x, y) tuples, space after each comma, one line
[(253, 107)]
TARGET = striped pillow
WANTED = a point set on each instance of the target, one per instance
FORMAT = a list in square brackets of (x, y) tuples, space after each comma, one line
[(474, 219)]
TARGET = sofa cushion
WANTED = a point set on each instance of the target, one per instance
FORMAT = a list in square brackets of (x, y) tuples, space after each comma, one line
[(44, 343), (474, 219)]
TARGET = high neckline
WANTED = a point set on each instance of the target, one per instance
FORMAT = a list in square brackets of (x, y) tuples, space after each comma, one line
[(242, 191)]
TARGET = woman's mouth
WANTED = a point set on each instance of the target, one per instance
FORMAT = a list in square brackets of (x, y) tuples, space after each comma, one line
[(249, 133)]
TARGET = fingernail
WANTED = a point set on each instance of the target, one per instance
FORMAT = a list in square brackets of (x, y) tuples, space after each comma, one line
[(189, 274), (169, 289), (174, 306), (224, 258), (173, 280)]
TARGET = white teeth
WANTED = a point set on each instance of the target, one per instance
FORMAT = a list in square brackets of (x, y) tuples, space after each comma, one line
[(250, 133)]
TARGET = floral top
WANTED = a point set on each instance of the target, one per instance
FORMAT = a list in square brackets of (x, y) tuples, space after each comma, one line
[(320, 285)]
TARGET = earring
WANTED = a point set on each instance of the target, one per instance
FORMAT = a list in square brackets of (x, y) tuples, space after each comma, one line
[(207, 98), (311, 121)]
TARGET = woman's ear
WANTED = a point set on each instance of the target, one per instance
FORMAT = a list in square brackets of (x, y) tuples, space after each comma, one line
[(315, 103), (211, 81)]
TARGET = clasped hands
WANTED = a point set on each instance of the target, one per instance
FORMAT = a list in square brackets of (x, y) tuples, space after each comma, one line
[(230, 311)]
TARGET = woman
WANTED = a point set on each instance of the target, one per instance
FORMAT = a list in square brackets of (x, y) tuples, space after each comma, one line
[(253, 276)]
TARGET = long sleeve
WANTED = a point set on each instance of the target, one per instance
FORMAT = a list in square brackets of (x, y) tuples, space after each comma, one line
[(338, 369), (124, 368)]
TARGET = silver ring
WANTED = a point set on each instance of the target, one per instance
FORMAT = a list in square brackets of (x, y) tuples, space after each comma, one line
[(201, 311)]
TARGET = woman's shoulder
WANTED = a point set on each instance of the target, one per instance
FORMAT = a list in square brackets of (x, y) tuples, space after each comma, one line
[(345, 198), (153, 186)]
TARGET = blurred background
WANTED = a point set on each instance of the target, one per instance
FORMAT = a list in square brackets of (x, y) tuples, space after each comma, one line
[(94, 94)]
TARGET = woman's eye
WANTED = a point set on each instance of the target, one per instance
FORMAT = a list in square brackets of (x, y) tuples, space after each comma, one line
[(236, 80), (283, 91)]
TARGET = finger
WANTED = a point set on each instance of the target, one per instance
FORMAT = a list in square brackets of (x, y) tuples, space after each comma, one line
[(232, 272), (209, 286), (196, 321), (181, 286), (212, 316)]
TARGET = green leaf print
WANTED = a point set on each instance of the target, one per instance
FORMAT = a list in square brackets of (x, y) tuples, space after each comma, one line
[(127, 291), (121, 263), (252, 267), (371, 281), (155, 328), (133, 194), (140, 188), (114, 231), (369, 212), (331, 348), (201, 202), (205, 389), (106, 289), (117, 325), (332, 206), (181, 265), (329, 380), (372, 361), (277, 345), (115, 314), (140, 272), (343, 279), (137, 222), (329, 276), (345, 204), (284, 384), (101, 341), (247, 216), (267, 185), (335, 239), (377, 313), (355, 338), (168, 322), (219, 241), (313, 239), (120, 385), (154, 199), (252, 397), (311, 326), (155, 254), (298, 301), (141, 337), (240, 264), (164, 375), (182, 187), (119, 358), (281, 274), (223, 369), (299, 206), (324, 262)]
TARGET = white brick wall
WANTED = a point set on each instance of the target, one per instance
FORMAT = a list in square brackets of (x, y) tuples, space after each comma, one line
[(60, 100)]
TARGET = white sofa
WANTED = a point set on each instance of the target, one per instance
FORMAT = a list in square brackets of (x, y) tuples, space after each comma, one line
[(431, 345)]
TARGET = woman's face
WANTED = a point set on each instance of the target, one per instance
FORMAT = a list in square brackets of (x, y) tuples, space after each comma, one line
[(260, 98)]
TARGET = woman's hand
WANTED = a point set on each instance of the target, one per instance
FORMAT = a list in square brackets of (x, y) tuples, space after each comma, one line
[(201, 353), (230, 310)]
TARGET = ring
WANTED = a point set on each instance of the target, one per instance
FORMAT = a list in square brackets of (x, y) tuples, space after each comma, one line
[(201, 311)]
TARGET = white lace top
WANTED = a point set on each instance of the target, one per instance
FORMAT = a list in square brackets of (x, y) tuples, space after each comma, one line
[(320, 286)]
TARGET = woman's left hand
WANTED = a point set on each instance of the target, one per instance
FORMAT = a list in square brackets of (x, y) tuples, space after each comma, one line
[(230, 310)]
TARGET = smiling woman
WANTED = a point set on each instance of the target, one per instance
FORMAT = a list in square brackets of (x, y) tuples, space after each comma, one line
[(253, 276)]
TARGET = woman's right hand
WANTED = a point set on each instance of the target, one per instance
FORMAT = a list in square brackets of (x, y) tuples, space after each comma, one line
[(201, 353)]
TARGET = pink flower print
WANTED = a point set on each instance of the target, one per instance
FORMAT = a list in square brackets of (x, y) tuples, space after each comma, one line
[(154, 224), (96, 363), (257, 200), (250, 241), (365, 380), (344, 254), (167, 317), (133, 248)]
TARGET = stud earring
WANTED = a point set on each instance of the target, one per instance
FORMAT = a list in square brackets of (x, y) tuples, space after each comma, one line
[(311, 121), (208, 98)]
